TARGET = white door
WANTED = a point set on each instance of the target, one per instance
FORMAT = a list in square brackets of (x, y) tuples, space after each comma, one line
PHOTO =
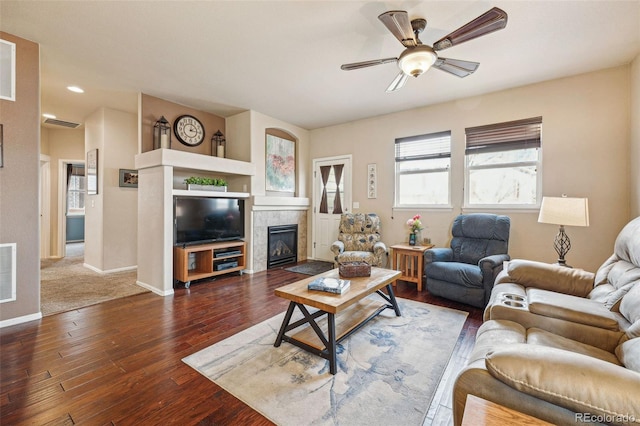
[(331, 198)]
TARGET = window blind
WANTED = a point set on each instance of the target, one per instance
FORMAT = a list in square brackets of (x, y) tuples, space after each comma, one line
[(433, 145), (519, 134)]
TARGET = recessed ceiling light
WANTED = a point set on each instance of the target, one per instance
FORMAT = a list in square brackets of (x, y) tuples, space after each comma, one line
[(75, 89), (48, 116)]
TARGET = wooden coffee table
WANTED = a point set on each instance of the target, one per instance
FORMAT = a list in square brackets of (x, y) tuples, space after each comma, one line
[(350, 311)]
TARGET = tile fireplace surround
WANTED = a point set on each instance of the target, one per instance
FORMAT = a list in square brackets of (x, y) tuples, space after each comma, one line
[(265, 218)]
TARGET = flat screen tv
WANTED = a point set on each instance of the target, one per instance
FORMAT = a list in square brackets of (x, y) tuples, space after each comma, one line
[(199, 220)]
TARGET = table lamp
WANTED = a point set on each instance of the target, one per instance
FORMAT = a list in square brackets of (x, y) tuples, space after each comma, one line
[(564, 211)]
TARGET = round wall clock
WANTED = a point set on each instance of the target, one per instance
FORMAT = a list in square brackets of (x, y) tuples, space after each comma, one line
[(189, 130)]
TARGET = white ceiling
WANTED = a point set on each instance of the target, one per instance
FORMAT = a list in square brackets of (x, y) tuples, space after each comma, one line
[(282, 58)]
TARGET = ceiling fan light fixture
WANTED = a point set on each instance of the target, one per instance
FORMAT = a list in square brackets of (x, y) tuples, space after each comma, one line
[(417, 60)]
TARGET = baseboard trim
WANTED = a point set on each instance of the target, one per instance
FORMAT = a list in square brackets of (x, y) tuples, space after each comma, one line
[(154, 289), (110, 271), (20, 320)]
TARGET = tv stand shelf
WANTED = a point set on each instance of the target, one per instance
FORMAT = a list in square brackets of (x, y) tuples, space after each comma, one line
[(209, 260)]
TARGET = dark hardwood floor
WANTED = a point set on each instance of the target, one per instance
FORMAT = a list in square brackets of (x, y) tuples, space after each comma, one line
[(119, 362)]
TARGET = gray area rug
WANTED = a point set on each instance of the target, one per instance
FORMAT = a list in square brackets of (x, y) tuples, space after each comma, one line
[(388, 371), (312, 267), (65, 284)]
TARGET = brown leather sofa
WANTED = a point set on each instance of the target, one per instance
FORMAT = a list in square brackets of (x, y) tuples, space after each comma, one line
[(562, 344)]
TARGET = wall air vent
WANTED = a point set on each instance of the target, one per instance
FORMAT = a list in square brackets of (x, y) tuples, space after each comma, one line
[(62, 123)]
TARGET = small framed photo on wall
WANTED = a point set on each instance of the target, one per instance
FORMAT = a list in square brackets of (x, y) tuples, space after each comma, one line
[(128, 178)]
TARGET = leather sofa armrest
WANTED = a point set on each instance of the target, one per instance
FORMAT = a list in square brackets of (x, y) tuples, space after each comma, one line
[(557, 278), (337, 247), (440, 254), (575, 381)]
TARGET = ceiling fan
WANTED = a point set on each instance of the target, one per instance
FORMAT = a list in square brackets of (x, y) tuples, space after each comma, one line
[(417, 58)]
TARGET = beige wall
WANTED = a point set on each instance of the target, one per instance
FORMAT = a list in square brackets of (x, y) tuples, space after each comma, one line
[(19, 180), (60, 145), (586, 134), (635, 137), (153, 108)]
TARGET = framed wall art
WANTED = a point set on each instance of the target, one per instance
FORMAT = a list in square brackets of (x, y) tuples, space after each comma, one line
[(280, 165), (7, 70), (372, 191), (92, 172), (1, 146), (128, 178)]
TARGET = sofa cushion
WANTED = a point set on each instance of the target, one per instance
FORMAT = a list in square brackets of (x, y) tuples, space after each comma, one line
[(536, 336), (629, 354), (575, 381), (630, 309), (453, 272), (621, 278), (495, 332), (570, 308)]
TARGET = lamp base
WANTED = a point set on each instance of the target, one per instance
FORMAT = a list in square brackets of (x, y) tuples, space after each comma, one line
[(562, 244)]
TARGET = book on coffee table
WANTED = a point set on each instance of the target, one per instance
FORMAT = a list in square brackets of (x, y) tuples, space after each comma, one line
[(330, 285)]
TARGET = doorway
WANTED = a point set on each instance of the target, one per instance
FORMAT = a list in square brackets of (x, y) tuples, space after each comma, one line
[(71, 203), (331, 197)]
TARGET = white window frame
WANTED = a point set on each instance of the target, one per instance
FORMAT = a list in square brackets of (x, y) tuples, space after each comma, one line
[(537, 164), (398, 173)]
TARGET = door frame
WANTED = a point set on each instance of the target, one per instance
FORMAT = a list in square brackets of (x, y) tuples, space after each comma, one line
[(45, 206), (62, 204), (347, 191)]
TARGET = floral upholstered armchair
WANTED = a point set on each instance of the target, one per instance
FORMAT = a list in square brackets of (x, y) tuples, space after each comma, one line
[(359, 240)]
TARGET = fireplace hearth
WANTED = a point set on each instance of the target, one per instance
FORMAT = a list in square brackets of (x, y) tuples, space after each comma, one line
[(282, 244)]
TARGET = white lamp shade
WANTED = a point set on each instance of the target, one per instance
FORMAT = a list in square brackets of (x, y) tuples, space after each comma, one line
[(564, 211)]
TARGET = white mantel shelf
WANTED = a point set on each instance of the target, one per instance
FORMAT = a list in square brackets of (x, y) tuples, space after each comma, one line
[(261, 202), (211, 194), (188, 160)]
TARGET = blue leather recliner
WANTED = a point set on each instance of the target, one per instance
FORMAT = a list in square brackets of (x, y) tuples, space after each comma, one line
[(466, 271)]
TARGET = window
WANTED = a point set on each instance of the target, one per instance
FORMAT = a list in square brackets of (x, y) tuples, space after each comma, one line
[(76, 189), (423, 164), (503, 164)]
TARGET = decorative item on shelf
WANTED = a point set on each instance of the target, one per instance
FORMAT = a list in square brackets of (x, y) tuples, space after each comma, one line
[(218, 143), (564, 211), (196, 183), (162, 134), (415, 225)]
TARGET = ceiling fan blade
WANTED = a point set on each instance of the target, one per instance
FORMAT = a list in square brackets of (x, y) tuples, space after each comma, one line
[(456, 67), (493, 20), (398, 82), (397, 21), (364, 64)]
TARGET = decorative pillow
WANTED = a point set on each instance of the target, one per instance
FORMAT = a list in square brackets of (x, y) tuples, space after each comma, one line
[(629, 354), (577, 382)]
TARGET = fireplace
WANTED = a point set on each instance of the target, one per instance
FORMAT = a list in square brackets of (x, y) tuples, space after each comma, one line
[(282, 244)]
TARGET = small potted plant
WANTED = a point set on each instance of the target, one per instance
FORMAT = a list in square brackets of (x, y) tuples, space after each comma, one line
[(197, 183)]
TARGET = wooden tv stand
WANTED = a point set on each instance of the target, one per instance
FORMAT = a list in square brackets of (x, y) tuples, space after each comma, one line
[(210, 260)]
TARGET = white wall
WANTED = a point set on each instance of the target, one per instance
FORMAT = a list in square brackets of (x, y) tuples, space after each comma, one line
[(111, 216), (586, 144), (635, 137)]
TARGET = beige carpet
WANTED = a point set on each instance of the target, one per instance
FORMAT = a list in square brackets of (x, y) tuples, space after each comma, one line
[(65, 284), (388, 371)]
